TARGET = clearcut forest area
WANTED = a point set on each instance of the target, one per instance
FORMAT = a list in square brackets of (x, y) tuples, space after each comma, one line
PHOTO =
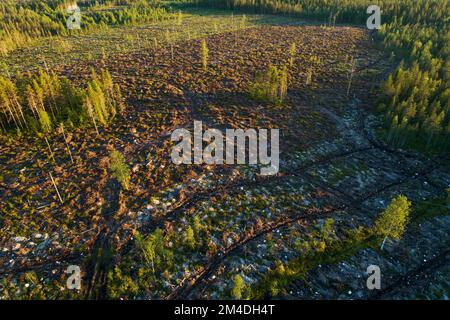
[(92, 92)]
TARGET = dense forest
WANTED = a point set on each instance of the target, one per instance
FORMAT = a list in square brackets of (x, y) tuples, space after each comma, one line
[(416, 96)]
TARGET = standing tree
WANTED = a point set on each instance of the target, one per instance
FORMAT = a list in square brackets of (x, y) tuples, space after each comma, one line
[(45, 121), (204, 54), (392, 222), (190, 238), (147, 247), (283, 84), (119, 169), (153, 250), (238, 287)]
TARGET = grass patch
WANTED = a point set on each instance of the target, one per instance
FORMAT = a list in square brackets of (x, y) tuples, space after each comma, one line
[(277, 280)]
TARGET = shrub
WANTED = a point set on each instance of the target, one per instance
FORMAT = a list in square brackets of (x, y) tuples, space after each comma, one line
[(153, 251), (270, 86), (37, 101), (238, 287)]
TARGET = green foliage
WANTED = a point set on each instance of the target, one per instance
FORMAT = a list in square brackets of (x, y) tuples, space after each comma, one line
[(119, 169), (429, 208), (323, 247), (292, 52), (10, 107), (103, 98), (118, 283), (416, 108), (270, 86), (117, 99), (318, 240), (154, 252), (238, 287), (97, 98), (346, 11), (198, 226), (392, 222), (204, 54), (45, 121), (146, 267), (37, 101), (189, 238)]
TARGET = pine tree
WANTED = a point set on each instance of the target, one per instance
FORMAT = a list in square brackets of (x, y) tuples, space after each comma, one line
[(87, 105), (119, 169), (45, 121), (238, 287), (190, 238), (292, 52), (204, 54), (153, 251)]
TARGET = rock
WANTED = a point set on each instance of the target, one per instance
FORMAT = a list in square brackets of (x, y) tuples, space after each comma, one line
[(19, 239), (37, 236)]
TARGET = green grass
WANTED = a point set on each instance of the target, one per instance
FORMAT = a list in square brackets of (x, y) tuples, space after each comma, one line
[(430, 208)]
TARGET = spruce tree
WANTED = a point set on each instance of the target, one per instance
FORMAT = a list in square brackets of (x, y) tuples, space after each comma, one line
[(204, 54)]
